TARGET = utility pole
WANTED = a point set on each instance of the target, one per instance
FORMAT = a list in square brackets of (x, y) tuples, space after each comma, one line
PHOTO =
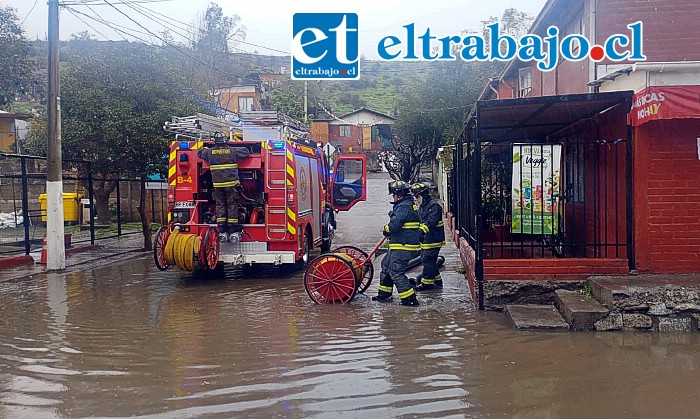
[(306, 101), (55, 247)]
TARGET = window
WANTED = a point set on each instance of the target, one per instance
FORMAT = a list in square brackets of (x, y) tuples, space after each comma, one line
[(345, 131), (525, 82), (245, 103)]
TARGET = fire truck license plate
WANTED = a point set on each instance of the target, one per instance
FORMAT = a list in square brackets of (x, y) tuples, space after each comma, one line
[(184, 204)]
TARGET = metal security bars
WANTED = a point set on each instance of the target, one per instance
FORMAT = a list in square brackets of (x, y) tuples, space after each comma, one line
[(23, 203), (545, 177)]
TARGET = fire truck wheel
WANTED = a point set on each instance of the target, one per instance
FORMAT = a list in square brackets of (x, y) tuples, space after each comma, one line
[(327, 228), (306, 246), (159, 248)]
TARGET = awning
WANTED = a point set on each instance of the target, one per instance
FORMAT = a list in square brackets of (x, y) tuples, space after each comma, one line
[(665, 102), (533, 119)]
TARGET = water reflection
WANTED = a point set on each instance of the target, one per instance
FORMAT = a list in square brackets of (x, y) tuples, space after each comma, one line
[(128, 340)]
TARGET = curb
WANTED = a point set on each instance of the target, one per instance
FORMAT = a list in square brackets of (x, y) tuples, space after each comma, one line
[(103, 260), (81, 249), (14, 261)]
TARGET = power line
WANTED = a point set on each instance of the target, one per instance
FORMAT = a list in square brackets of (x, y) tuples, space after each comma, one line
[(100, 2), (434, 109), (194, 27), (172, 82), (30, 12), (73, 12), (99, 19), (170, 44)]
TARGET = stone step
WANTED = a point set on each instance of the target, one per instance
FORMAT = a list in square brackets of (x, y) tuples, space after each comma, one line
[(580, 311), (536, 317)]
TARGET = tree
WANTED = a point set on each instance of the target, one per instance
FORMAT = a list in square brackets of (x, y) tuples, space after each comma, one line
[(114, 103), (432, 112), (288, 99), (16, 67), (82, 36), (210, 40)]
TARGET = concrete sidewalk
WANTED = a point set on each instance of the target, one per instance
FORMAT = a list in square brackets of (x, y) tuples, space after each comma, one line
[(104, 252)]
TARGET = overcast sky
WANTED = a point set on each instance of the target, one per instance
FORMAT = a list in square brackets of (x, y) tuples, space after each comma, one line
[(269, 23)]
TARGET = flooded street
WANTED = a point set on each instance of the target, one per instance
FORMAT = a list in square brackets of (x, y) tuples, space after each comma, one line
[(129, 340)]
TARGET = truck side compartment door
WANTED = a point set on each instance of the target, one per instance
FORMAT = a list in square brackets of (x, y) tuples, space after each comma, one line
[(349, 181)]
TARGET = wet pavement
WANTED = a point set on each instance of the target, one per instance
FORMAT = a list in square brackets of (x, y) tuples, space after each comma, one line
[(128, 340)]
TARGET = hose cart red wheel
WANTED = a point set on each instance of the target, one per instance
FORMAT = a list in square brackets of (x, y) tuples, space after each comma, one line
[(332, 278), (159, 248), (209, 251)]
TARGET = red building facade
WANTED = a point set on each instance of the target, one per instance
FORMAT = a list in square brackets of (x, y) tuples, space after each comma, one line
[(665, 149)]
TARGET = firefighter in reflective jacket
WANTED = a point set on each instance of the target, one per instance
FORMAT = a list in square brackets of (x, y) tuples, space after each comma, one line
[(404, 245), (223, 164), (432, 235)]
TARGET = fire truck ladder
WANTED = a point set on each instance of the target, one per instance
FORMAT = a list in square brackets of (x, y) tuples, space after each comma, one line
[(201, 127), (276, 178)]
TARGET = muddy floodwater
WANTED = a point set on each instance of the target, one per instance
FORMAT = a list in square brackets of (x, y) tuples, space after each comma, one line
[(128, 340)]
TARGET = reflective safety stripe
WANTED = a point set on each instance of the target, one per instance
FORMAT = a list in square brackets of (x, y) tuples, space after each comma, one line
[(386, 228), (427, 281), (226, 184), (384, 288), (412, 224), (409, 247), (424, 228), (432, 245), (233, 220), (221, 220), (440, 224), (407, 294), (224, 166)]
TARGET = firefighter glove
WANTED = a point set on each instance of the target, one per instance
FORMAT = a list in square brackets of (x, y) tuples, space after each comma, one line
[(386, 231)]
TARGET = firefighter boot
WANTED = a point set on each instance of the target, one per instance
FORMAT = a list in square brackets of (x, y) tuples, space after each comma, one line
[(382, 299), (410, 301), (426, 284)]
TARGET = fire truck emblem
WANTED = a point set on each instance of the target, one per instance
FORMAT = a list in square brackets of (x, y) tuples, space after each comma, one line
[(304, 183)]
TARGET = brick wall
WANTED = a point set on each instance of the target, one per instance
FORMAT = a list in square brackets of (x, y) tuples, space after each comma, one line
[(671, 29), (667, 196), (546, 269), (354, 141)]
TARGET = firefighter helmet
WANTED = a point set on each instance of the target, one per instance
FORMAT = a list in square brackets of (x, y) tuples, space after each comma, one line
[(420, 189), (219, 138), (399, 187)]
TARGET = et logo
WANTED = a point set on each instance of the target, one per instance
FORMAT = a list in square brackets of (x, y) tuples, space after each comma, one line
[(325, 46)]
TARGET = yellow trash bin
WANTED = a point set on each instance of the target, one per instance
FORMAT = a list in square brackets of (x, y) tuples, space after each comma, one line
[(71, 212)]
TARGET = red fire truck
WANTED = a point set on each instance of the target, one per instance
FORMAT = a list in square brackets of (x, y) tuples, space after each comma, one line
[(289, 194)]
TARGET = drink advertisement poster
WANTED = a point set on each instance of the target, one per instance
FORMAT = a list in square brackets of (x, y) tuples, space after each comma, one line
[(535, 188)]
